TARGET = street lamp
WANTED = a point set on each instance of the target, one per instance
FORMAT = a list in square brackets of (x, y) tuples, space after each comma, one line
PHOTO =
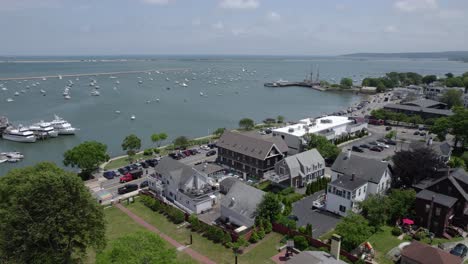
[(235, 256)]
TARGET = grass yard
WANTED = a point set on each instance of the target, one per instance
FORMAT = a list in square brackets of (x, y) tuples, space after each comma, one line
[(383, 241), (262, 253), (327, 235)]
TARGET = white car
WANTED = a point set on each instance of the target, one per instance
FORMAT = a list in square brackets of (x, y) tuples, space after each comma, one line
[(382, 145)]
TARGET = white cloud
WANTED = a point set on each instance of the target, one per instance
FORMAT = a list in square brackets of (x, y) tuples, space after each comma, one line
[(157, 2), (240, 4), (391, 29), (219, 25), (415, 5), (196, 21), (273, 16)]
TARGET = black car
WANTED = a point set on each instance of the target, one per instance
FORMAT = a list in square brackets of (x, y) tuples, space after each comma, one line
[(388, 128), (459, 250), (127, 188), (211, 153), (144, 164), (174, 156), (151, 162), (373, 143), (416, 133), (422, 134), (293, 217), (109, 175), (381, 140), (143, 184), (357, 149), (194, 151), (376, 148), (122, 171), (212, 145), (390, 142), (364, 146)]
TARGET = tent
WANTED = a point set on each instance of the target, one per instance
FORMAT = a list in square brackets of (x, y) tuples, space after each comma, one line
[(407, 221)]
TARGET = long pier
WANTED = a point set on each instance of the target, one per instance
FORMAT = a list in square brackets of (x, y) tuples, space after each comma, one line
[(90, 74), (296, 84)]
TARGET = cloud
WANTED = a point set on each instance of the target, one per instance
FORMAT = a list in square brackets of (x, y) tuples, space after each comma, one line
[(415, 5), (391, 29), (239, 4), (157, 2), (219, 25), (340, 7), (450, 14), (238, 31), (273, 16), (196, 21)]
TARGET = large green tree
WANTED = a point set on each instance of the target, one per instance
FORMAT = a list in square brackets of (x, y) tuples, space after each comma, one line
[(87, 156), (269, 208), (131, 144), (459, 125), (327, 149), (375, 209), (47, 215), (429, 79), (440, 127), (138, 248), (353, 229), (246, 124), (181, 142), (453, 98), (346, 82)]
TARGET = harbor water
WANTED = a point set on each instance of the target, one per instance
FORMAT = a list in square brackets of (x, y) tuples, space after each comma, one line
[(218, 93)]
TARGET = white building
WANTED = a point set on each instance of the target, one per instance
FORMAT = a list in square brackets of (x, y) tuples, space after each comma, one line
[(330, 126), (436, 92), (344, 194)]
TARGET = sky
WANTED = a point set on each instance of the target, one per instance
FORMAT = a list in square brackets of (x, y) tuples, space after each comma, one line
[(246, 27)]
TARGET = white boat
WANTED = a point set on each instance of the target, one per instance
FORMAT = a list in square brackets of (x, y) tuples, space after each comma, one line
[(16, 94), (117, 111), (12, 155), (66, 91), (4, 89), (117, 82), (67, 97), (3, 159), (95, 93), (20, 134), (44, 129), (43, 91), (44, 78), (60, 77), (112, 77), (9, 100), (140, 82), (201, 93), (62, 126), (184, 84), (167, 79), (133, 117), (91, 84)]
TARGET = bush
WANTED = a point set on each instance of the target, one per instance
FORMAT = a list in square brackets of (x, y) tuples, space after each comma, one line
[(420, 235), (396, 231), (268, 227), (194, 223), (301, 242), (302, 230), (254, 237), (148, 152), (227, 238), (284, 220), (156, 150), (260, 233)]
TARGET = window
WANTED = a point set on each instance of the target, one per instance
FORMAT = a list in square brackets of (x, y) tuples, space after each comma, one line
[(365, 189), (268, 162), (329, 188), (348, 194), (427, 208), (342, 209), (437, 211), (359, 192)]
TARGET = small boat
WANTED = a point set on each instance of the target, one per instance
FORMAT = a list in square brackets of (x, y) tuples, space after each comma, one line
[(12, 155), (67, 97), (117, 111), (157, 100), (43, 91), (184, 84), (60, 77), (140, 82), (44, 78), (201, 93), (4, 89), (16, 94), (148, 101), (95, 93), (9, 100), (117, 82), (112, 77), (133, 117), (167, 79)]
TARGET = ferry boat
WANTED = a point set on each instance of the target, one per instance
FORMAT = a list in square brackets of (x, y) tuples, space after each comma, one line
[(62, 126), (20, 134), (43, 130)]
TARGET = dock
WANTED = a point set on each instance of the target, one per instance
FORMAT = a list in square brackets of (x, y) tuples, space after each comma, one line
[(312, 85)]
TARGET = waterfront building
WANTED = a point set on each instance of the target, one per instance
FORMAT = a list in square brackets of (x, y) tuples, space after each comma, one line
[(426, 108), (436, 92)]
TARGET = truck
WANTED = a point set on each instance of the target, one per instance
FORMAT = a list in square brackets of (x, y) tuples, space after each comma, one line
[(127, 188), (132, 175)]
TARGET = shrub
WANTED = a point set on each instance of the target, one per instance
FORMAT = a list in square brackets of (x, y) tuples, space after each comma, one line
[(254, 237), (302, 230), (261, 233), (267, 226), (301, 242), (156, 150), (420, 235), (227, 238), (396, 231), (194, 223), (148, 152)]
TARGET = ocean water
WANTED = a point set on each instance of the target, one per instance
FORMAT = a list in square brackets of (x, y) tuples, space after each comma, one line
[(229, 94)]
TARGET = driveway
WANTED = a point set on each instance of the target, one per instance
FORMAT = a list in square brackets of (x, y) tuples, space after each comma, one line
[(321, 221)]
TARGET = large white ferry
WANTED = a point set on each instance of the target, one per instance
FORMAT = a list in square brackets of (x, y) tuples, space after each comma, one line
[(62, 126), (20, 134), (43, 130)]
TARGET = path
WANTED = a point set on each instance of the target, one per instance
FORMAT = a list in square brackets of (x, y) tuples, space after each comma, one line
[(194, 254)]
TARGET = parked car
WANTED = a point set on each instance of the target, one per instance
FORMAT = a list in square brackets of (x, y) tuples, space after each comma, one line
[(211, 153), (212, 145), (388, 128), (109, 175), (194, 151), (136, 173), (381, 140), (357, 149), (151, 162), (143, 184), (459, 250), (364, 146), (187, 153), (382, 145), (127, 188), (390, 142), (422, 134), (144, 164), (376, 148), (373, 143), (174, 156), (126, 178), (293, 217), (416, 133), (122, 171)]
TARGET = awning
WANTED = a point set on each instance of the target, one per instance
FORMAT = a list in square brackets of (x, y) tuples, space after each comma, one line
[(407, 221)]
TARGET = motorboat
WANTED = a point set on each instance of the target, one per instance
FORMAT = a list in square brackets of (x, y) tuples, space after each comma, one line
[(117, 82), (95, 93), (201, 93), (16, 94), (67, 97), (20, 134), (43, 129), (133, 117), (140, 82), (9, 100), (183, 84), (43, 91), (62, 126), (12, 155)]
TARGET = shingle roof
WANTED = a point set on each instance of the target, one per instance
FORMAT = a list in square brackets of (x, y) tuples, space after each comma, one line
[(419, 109), (424, 103), (348, 183), (306, 158), (208, 168), (425, 254), (245, 144), (460, 174), (439, 198), (227, 183), (456, 175), (179, 171), (243, 199), (368, 169), (441, 148), (314, 257)]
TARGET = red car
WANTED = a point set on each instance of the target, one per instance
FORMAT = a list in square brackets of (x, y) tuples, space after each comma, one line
[(126, 178)]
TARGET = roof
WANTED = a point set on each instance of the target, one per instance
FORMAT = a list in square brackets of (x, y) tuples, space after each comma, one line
[(454, 177), (425, 254), (311, 125), (348, 183), (314, 257), (306, 158), (460, 174), (179, 171), (419, 109), (279, 142), (368, 169), (243, 199), (425, 103), (441, 148), (227, 183), (208, 168), (246, 144), (439, 198)]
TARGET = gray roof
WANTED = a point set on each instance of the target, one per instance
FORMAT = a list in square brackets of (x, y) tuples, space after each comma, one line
[(314, 257), (208, 168), (442, 112), (455, 175), (179, 171), (439, 198), (227, 183), (441, 148), (368, 169), (247, 144), (306, 158), (460, 174), (243, 199), (425, 103), (348, 183)]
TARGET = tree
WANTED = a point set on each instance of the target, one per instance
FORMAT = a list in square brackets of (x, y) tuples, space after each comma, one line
[(412, 166), (449, 75), (309, 229), (47, 215), (246, 124), (459, 125), (391, 134), (346, 82), (327, 149), (131, 144), (429, 79), (280, 119), (454, 82), (300, 242), (139, 247), (181, 142), (375, 209), (453, 98), (456, 162), (218, 132), (269, 208), (400, 203), (415, 119), (440, 128), (354, 229), (162, 137), (87, 156), (155, 138)]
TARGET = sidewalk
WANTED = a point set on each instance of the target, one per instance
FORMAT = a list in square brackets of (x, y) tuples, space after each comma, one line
[(194, 254)]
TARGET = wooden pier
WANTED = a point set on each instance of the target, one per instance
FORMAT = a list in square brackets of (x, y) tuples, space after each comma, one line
[(315, 86)]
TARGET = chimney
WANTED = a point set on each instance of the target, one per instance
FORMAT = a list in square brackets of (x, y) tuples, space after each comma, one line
[(335, 246), (233, 200), (195, 181), (352, 176), (348, 155), (429, 141)]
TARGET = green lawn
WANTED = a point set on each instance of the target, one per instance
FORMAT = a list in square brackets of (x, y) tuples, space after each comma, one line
[(216, 252), (327, 235), (382, 242)]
